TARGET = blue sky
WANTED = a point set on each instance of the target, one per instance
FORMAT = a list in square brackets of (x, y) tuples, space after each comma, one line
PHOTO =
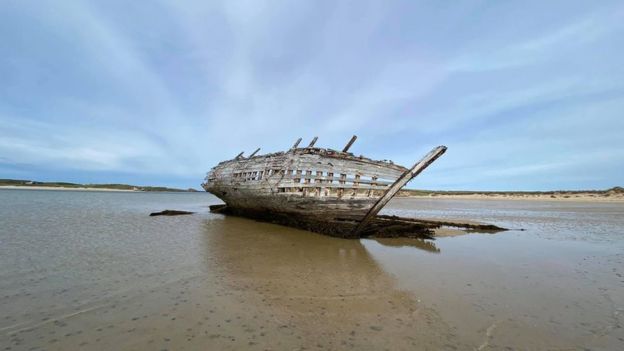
[(527, 95)]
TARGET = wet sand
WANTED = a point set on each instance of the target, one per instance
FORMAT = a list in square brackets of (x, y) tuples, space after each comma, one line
[(104, 275), (266, 288)]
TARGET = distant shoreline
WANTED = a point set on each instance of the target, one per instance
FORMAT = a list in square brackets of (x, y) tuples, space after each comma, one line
[(37, 185), (615, 194), (512, 197)]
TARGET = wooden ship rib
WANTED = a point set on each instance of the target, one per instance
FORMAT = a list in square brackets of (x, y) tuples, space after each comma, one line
[(322, 190)]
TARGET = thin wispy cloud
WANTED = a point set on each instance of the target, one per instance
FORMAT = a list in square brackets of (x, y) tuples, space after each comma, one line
[(545, 46), (527, 95)]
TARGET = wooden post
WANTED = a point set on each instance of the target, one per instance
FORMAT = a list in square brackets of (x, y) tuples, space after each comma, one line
[(346, 148), (313, 142), (296, 144), (398, 184), (253, 153)]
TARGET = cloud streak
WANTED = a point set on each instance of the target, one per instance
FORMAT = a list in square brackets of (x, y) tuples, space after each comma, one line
[(523, 98)]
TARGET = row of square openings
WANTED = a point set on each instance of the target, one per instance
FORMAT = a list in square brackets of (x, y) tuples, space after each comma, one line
[(339, 192), (299, 177)]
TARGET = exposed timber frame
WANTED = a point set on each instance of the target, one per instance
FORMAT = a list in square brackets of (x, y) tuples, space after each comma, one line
[(313, 142), (398, 184), (254, 153), (346, 148), (296, 144)]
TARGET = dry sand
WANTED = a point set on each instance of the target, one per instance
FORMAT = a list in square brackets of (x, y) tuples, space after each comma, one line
[(34, 187), (588, 197)]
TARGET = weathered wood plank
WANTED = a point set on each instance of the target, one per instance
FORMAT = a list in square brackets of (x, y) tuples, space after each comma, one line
[(313, 142), (346, 148), (406, 177), (296, 144), (305, 163), (253, 153)]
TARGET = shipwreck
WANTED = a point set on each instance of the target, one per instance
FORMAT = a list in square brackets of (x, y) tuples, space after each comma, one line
[(322, 190)]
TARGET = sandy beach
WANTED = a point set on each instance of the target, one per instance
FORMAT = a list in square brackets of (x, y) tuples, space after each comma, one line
[(35, 187), (585, 197), (92, 271)]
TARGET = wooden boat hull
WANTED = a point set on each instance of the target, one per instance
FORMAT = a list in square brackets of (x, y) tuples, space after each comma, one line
[(294, 204), (322, 190), (303, 182)]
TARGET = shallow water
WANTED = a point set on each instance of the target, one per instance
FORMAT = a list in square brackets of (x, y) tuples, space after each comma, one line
[(91, 270)]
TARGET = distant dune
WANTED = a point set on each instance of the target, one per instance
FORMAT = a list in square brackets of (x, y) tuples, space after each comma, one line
[(613, 194), (31, 184)]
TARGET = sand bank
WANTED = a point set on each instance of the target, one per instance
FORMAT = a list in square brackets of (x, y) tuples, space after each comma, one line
[(35, 187), (531, 197)]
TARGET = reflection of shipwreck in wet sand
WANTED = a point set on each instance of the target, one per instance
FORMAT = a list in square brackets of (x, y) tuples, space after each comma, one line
[(322, 190), (306, 289)]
